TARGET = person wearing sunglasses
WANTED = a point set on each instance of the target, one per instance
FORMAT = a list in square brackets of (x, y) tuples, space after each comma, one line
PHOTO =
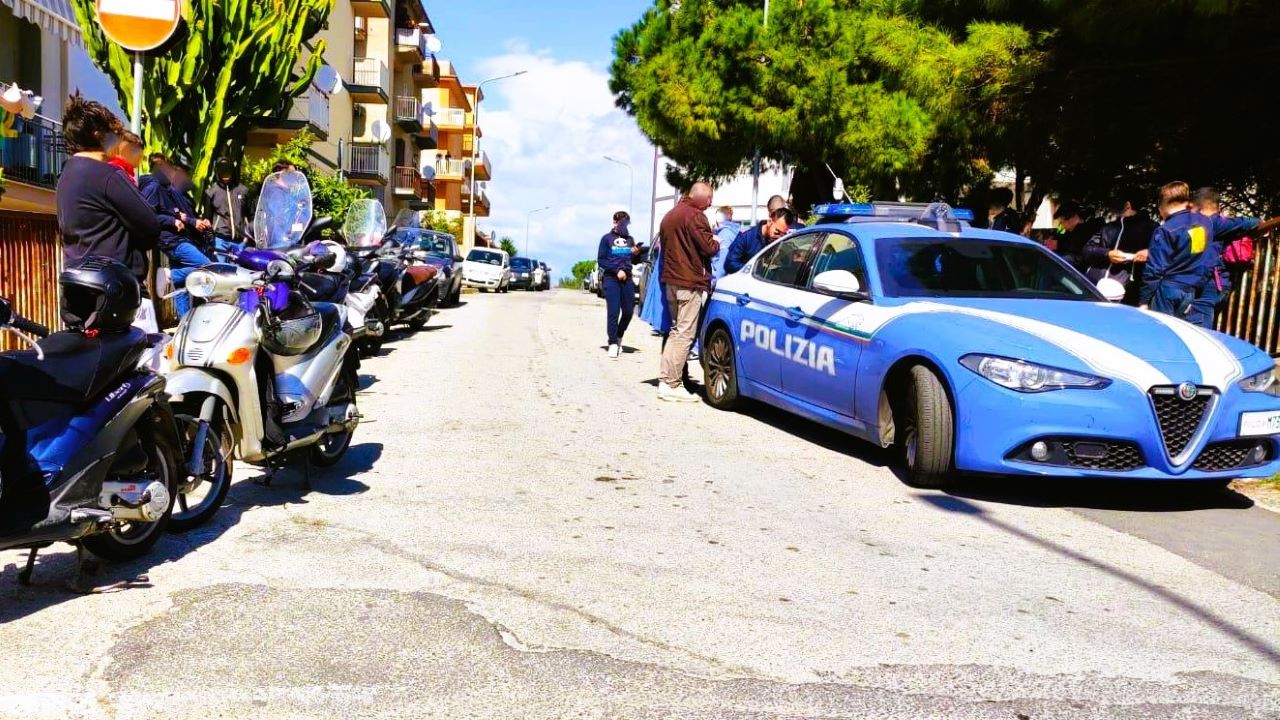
[(755, 238)]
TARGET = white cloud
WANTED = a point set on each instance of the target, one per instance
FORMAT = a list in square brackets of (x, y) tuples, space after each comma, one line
[(547, 145)]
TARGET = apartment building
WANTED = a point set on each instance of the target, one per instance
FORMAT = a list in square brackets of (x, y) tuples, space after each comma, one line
[(453, 104)]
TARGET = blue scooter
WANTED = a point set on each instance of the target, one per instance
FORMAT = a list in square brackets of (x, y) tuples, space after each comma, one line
[(89, 450)]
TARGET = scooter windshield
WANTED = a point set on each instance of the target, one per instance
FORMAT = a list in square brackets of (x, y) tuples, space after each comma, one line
[(284, 211), (366, 223)]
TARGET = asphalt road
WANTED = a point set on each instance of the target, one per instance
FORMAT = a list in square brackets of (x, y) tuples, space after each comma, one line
[(522, 530)]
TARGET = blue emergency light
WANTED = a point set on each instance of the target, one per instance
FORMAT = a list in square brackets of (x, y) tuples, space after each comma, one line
[(893, 211)]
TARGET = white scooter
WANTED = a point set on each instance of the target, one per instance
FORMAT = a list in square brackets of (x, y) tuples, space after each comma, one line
[(260, 372)]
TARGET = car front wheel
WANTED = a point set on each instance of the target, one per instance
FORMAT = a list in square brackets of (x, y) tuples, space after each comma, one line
[(719, 367), (926, 429)]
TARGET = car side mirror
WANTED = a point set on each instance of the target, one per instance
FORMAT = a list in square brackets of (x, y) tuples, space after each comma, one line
[(841, 283), (459, 258)]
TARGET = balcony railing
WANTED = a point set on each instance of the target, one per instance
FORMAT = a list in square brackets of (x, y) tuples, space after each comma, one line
[(369, 160), (35, 151), (427, 74), (451, 118), (370, 72), (408, 110), (484, 169), (408, 181), (450, 168), (412, 40)]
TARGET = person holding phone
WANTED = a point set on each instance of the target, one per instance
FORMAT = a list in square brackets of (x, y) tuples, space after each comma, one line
[(1118, 251), (615, 258)]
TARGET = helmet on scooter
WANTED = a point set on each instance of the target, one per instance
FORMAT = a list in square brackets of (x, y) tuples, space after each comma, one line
[(99, 293), (294, 330)]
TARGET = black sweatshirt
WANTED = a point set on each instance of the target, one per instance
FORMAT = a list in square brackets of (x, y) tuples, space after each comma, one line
[(100, 212)]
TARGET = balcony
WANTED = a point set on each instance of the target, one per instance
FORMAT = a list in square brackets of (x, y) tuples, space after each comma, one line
[(309, 111), (484, 170), (370, 8), (482, 200), (427, 73), (428, 138), (451, 118), (408, 113), (411, 45), (450, 170), (407, 183), (369, 81), (34, 153), (369, 164)]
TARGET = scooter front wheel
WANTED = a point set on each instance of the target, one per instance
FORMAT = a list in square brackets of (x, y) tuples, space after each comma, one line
[(200, 497), (330, 449)]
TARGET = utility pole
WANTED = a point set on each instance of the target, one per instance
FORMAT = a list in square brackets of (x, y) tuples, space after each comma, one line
[(475, 147), (631, 173), (527, 219), (755, 160)]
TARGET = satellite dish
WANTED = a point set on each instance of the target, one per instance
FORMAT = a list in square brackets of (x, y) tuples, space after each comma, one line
[(428, 109), (328, 80), (434, 44), (428, 172), (380, 131)]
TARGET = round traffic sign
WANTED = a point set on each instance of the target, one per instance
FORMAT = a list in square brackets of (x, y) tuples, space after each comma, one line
[(138, 25)]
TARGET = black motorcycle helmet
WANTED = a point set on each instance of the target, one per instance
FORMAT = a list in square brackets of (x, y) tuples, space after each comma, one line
[(99, 293)]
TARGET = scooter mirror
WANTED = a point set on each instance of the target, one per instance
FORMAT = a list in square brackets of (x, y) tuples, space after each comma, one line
[(390, 233), (317, 226), (6, 312)]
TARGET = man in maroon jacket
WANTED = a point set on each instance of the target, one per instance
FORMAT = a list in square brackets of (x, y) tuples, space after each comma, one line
[(688, 245)]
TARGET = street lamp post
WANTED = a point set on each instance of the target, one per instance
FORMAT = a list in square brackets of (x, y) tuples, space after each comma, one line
[(755, 158), (527, 219), (475, 146), (631, 173)]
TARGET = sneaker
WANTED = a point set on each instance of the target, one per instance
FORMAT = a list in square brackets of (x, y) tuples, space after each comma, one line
[(614, 350), (675, 394)]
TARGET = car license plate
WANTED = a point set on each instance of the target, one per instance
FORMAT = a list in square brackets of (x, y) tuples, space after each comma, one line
[(1253, 424)]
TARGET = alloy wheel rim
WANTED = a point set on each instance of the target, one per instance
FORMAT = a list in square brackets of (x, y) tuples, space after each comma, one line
[(719, 367)]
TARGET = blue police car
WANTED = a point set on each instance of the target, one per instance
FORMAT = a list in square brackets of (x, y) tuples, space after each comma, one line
[(980, 351)]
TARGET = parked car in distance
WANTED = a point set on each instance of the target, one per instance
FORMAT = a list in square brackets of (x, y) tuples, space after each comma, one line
[(523, 274), (640, 272), (442, 252), (592, 280), (487, 269), (546, 275)]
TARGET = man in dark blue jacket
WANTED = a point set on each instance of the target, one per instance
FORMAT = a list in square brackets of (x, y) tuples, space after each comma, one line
[(757, 237), (1184, 253), (615, 257), (182, 233)]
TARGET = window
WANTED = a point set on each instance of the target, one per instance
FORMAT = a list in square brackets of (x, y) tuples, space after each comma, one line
[(840, 252), (785, 263), (485, 256), (976, 267)]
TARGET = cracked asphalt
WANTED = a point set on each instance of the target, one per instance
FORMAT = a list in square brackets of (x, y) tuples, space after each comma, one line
[(522, 530)]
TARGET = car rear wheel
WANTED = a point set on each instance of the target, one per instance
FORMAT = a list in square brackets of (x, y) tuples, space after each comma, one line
[(926, 429), (719, 367)]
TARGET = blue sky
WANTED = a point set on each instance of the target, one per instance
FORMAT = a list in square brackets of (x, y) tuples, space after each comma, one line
[(547, 131)]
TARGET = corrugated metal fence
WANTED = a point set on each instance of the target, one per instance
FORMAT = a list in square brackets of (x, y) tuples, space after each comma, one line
[(1251, 312), (30, 260)]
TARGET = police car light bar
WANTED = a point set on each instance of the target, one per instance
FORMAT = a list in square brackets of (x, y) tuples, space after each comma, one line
[(888, 210)]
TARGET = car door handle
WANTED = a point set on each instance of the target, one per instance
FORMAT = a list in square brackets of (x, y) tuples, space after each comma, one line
[(744, 299), (795, 313)]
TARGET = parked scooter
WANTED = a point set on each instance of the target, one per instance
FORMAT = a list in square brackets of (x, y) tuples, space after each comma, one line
[(258, 366), (410, 283), (90, 447), (349, 281)]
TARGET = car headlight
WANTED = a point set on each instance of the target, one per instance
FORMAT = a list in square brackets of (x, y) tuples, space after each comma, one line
[(1263, 382), (1026, 377), (202, 284)]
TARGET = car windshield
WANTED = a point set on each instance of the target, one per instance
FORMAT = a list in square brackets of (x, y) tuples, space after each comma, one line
[(975, 267), (484, 256), (521, 263)]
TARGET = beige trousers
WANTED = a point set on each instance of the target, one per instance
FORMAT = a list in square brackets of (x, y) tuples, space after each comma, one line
[(686, 310)]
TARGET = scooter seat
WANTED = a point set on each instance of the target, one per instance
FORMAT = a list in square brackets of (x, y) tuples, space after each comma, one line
[(75, 369), (324, 287)]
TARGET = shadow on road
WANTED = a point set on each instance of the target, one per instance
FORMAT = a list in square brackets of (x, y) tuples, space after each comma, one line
[(433, 328), (1257, 645), (367, 380), (56, 565), (1099, 494)]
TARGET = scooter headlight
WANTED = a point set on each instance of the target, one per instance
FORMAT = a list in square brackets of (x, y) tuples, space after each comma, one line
[(202, 284)]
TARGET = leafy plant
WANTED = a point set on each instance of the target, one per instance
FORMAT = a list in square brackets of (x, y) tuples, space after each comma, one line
[(331, 196), (444, 222), (509, 246), (582, 269), (231, 65)]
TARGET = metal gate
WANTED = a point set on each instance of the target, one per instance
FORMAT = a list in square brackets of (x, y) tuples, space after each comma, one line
[(1251, 311), (30, 260)]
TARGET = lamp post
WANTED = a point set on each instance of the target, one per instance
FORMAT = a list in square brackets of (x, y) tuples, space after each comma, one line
[(475, 146), (755, 158), (527, 218), (631, 173)]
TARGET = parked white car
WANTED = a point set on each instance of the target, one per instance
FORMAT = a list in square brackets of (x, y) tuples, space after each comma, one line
[(487, 269)]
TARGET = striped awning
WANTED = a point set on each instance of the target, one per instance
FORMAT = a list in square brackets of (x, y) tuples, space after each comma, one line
[(53, 16)]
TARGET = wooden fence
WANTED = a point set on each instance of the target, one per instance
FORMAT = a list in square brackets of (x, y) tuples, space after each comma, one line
[(30, 260), (1252, 311)]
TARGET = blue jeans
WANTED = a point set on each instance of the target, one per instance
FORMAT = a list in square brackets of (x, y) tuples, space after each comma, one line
[(184, 259), (620, 301)]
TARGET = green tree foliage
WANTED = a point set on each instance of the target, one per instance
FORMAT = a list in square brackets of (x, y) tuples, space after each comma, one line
[(330, 194), (582, 269), (444, 222), (928, 97), (234, 63), (509, 246)]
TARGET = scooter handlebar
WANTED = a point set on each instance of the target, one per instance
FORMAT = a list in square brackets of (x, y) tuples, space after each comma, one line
[(29, 327)]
